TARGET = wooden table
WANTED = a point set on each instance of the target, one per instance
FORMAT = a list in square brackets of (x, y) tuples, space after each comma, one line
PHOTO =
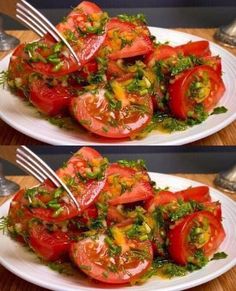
[(11, 282), (224, 137)]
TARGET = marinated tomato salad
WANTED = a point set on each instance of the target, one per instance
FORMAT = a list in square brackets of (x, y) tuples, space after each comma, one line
[(126, 83), (126, 229)]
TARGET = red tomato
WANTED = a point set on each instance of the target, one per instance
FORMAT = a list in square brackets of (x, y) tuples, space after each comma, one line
[(140, 46), (94, 113), (183, 101), (19, 71), (137, 36), (113, 215), (199, 194), (88, 191), (214, 63), (84, 46), (92, 256), (141, 191), (197, 48), (214, 208), (50, 246), (181, 249), (49, 100), (161, 198), (162, 52)]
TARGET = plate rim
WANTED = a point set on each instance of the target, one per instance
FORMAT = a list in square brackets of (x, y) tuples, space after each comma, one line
[(178, 286)]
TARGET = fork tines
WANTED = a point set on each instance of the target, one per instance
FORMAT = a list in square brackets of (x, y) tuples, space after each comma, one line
[(36, 21), (36, 167)]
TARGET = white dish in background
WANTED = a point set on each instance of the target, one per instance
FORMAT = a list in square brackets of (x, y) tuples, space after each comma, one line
[(24, 264), (26, 119)]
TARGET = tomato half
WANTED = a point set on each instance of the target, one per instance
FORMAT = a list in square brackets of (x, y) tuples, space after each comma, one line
[(92, 257), (92, 110), (84, 28), (199, 194), (49, 245), (50, 100), (161, 198), (198, 86), (197, 48), (198, 231)]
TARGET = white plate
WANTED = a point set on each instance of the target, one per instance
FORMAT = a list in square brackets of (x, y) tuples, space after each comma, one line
[(25, 264), (26, 120)]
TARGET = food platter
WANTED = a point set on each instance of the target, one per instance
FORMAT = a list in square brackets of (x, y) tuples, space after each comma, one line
[(24, 264), (27, 120)]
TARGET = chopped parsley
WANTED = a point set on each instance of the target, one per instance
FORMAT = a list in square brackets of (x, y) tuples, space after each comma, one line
[(219, 110), (219, 256)]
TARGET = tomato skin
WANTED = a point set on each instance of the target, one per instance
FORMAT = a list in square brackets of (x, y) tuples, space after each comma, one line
[(179, 248), (162, 52), (141, 191), (180, 104), (199, 194), (93, 116), (94, 255), (140, 46), (49, 100), (161, 198), (198, 48), (50, 246)]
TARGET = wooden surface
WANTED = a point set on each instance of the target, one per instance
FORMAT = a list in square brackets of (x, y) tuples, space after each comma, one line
[(10, 282), (226, 136)]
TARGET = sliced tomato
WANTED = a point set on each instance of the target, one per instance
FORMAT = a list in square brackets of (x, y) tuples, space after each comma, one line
[(19, 71), (197, 48), (85, 44), (214, 63), (113, 215), (161, 198), (141, 191), (49, 100), (185, 95), (49, 245), (92, 111), (92, 257), (214, 208), (199, 194), (162, 52), (140, 46), (184, 243), (85, 191), (125, 40)]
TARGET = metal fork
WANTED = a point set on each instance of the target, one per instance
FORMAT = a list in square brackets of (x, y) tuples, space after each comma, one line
[(35, 166), (36, 21)]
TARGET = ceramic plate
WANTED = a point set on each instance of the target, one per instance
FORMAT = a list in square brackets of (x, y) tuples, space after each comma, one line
[(26, 119), (24, 264)]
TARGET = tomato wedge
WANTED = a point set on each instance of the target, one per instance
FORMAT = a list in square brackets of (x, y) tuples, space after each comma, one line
[(197, 48), (200, 231), (92, 110), (199, 194), (85, 188), (50, 100), (198, 86), (92, 257), (49, 245), (125, 40), (141, 191), (161, 198), (84, 28), (18, 72)]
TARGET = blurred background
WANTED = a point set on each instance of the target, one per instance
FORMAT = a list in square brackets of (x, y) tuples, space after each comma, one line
[(167, 159), (162, 13)]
